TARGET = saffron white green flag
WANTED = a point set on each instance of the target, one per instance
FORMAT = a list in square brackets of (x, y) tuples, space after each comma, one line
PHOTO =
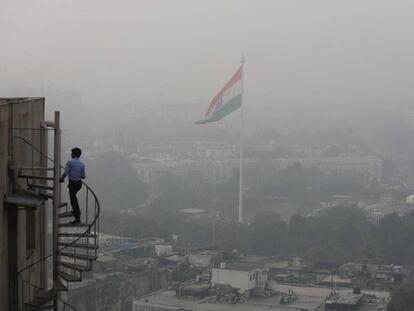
[(226, 101)]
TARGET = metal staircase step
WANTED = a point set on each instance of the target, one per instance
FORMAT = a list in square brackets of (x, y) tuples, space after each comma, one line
[(41, 298), (65, 215), (69, 277), (76, 235), (63, 204), (76, 267), (78, 245), (35, 177), (46, 195), (40, 186), (79, 256), (24, 199), (69, 225)]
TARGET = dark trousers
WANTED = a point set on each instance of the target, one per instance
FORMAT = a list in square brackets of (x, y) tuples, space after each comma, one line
[(74, 187)]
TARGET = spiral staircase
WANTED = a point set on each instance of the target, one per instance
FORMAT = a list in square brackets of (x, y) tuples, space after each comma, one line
[(74, 246)]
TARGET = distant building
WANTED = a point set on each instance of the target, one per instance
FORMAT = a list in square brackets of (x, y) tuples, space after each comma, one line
[(163, 250), (408, 116), (202, 259), (369, 166), (336, 281), (410, 199), (151, 170), (241, 275)]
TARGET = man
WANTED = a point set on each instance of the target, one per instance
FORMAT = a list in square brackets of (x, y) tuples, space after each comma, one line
[(75, 170)]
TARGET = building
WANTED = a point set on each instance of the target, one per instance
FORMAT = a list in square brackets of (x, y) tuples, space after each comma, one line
[(150, 170), (27, 195), (241, 275), (23, 228), (163, 250), (410, 199), (335, 281), (350, 302), (369, 166), (303, 298), (202, 259)]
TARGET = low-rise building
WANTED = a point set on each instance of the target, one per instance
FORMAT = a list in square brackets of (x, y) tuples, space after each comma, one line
[(163, 250), (241, 275), (369, 166), (350, 302), (202, 259)]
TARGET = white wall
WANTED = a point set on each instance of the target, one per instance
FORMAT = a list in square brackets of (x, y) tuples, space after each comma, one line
[(163, 250), (237, 279)]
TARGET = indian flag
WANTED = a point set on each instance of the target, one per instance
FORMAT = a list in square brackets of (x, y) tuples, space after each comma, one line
[(226, 101)]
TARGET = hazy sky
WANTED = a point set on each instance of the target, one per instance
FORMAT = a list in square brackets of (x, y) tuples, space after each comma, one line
[(348, 53)]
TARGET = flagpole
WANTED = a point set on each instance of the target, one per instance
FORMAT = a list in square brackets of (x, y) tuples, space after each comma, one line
[(241, 144)]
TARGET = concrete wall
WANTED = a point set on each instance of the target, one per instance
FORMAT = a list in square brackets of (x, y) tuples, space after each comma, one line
[(262, 276), (4, 276), (20, 113)]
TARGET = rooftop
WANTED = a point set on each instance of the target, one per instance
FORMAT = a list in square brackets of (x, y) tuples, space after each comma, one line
[(337, 279), (345, 299), (242, 266), (309, 298), (166, 300)]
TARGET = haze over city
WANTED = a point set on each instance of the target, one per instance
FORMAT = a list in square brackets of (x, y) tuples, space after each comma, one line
[(206, 155)]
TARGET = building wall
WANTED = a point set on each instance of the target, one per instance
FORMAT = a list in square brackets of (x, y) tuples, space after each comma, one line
[(237, 279), (4, 276), (21, 113)]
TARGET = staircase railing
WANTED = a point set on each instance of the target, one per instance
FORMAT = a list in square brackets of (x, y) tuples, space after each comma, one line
[(28, 289)]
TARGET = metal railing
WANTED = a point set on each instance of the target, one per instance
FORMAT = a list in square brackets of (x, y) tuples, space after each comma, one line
[(28, 289)]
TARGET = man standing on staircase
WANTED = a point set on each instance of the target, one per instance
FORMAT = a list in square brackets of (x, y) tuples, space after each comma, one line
[(75, 170)]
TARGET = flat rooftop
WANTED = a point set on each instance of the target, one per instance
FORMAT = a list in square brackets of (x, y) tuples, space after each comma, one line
[(337, 279), (242, 266), (309, 298), (167, 300)]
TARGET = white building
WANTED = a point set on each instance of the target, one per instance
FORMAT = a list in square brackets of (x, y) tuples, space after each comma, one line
[(410, 199), (150, 170), (241, 275), (369, 166), (163, 250)]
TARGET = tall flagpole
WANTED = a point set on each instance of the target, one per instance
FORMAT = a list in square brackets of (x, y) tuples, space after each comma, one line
[(241, 144)]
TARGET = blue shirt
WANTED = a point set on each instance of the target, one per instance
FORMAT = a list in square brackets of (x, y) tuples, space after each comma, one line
[(75, 170)]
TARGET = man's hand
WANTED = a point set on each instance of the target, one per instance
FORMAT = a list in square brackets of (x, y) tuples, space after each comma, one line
[(61, 179)]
